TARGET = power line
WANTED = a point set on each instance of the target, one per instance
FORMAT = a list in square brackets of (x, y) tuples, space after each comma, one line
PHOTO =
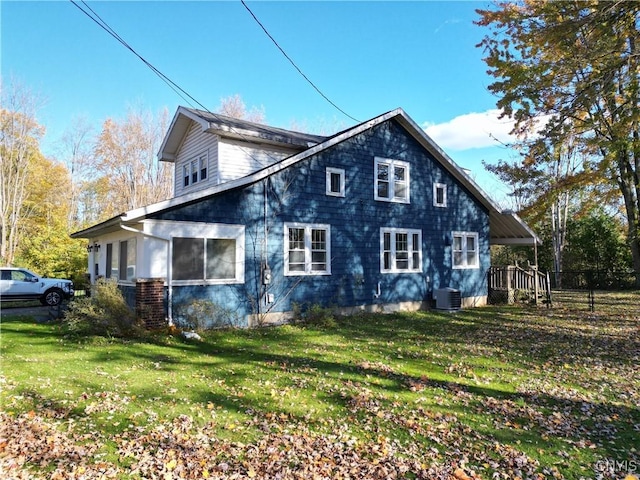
[(174, 86), (294, 64), (105, 26)]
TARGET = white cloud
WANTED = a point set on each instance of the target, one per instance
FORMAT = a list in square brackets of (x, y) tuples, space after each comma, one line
[(472, 130)]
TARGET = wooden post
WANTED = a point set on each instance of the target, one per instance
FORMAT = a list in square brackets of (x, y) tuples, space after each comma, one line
[(536, 285), (510, 270)]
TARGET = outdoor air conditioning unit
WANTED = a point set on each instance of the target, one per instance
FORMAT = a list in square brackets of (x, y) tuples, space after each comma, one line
[(447, 299)]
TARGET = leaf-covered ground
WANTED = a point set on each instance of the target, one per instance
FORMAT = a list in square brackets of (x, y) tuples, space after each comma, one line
[(493, 393)]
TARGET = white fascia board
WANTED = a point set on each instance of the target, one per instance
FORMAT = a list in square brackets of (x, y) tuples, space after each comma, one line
[(405, 120), (450, 165), (469, 183), (174, 128), (512, 241), (111, 225), (525, 226)]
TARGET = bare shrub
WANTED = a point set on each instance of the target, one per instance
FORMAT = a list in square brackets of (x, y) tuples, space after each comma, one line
[(104, 313)]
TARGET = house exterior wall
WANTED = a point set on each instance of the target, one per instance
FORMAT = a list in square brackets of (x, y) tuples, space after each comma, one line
[(227, 159), (196, 143), (239, 159), (98, 261), (298, 195)]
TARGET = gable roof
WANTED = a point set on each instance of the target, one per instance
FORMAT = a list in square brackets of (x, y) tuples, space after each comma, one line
[(230, 127), (505, 227)]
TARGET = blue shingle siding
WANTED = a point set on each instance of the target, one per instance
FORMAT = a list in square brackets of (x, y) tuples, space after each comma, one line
[(297, 194)]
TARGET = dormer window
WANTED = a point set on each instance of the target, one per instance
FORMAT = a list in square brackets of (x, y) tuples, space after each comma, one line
[(186, 175), (196, 170), (203, 167)]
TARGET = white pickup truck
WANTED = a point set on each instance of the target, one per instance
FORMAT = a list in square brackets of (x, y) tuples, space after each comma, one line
[(23, 284)]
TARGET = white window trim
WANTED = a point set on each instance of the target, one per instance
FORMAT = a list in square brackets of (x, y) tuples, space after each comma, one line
[(391, 163), (410, 232), (308, 227), (186, 175), (464, 236), (437, 186), (339, 171), (125, 280), (187, 170)]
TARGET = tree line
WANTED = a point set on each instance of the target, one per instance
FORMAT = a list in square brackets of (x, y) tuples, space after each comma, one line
[(568, 74), (96, 175)]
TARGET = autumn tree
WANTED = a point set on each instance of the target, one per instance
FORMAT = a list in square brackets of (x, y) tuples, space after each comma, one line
[(235, 107), (19, 144), (77, 154), (574, 63), (45, 245), (551, 183), (125, 159)]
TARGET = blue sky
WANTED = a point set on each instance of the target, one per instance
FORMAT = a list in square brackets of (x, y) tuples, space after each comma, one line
[(366, 57)]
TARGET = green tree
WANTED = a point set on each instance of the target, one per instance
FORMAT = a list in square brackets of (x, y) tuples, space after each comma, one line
[(551, 183), (573, 64), (597, 242)]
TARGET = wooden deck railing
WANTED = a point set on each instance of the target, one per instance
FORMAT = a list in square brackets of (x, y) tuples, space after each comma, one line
[(518, 282)]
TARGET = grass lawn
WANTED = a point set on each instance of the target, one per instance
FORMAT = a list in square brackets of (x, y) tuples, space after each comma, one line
[(495, 392)]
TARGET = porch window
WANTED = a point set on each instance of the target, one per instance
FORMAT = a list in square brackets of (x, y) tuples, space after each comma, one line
[(400, 250), (208, 260), (127, 265), (465, 250), (391, 180), (112, 263), (307, 249)]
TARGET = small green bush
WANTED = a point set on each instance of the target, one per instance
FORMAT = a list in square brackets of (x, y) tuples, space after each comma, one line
[(104, 313), (314, 315)]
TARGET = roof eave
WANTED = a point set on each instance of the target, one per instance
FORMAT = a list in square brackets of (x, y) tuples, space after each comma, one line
[(519, 232), (108, 226), (176, 132)]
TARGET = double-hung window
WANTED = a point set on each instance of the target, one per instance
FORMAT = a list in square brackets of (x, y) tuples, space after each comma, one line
[(391, 180), (400, 250), (307, 249), (335, 182), (195, 170), (465, 250)]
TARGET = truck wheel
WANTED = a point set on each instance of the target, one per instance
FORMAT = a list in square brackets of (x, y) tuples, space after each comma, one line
[(52, 297)]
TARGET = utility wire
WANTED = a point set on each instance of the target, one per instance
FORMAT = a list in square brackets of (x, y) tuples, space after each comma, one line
[(174, 86), (105, 26), (294, 64)]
